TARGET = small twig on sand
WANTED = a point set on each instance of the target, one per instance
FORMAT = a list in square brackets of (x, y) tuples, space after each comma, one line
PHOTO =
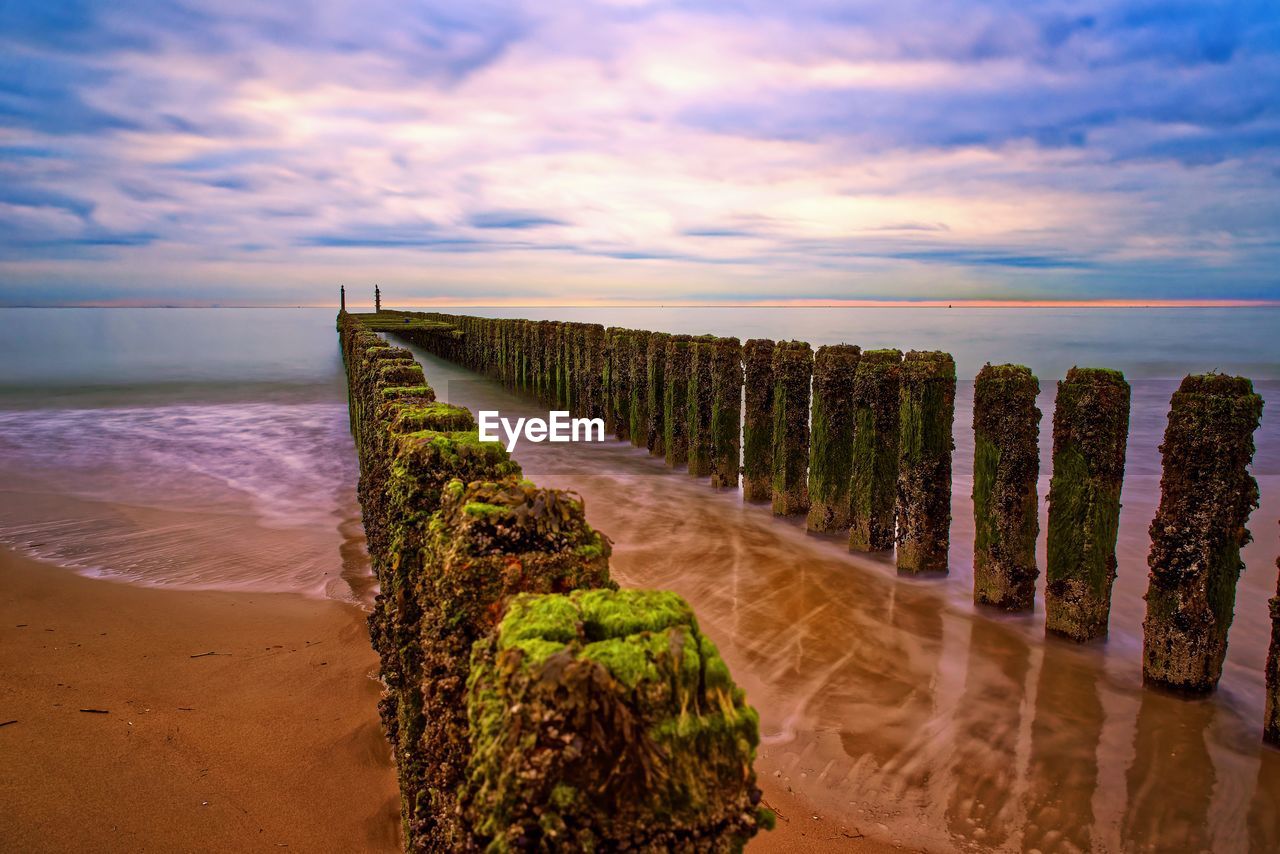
[(203, 654), (775, 810), (6, 723), (185, 709), (96, 711)]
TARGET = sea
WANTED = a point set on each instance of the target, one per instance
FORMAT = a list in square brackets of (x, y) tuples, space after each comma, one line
[(210, 449)]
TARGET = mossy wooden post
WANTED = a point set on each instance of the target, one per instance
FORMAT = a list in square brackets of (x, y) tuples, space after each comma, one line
[(726, 412), (702, 352), (873, 484), (661, 741), (926, 413), (792, 370), (1090, 435), (831, 437), (544, 361), (757, 425), (593, 369), (1271, 720), (675, 401), (655, 365), (1206, 496), (1006, 426), (608, 382), (620, 382), (639, 380)]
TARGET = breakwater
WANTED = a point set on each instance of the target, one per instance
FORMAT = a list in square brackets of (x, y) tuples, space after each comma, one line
[(529, 702), (777, 459)]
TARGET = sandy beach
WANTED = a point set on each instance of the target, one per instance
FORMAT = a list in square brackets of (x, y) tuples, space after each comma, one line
[(272, 743)]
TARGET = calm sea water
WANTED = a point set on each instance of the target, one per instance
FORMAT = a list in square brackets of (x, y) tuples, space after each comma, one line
[(210, 448)]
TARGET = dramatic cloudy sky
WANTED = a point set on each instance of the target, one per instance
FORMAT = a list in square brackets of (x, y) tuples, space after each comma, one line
[(232, 151)]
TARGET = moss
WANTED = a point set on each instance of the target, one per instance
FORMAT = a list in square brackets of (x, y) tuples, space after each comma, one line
[(418, 392), (1006, 426), (726, 412), (1090, 434), (1206, 496), (831, 437), (675, 401), (698, 402), (874, 469), (792, 369), (926, 415), (494, 540), (1271, 714), (638, 380), (655, 366), (653, 736), (620, 352), (757, 425)]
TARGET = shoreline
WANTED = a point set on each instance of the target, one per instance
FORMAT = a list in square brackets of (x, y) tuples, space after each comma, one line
[(272, 742)]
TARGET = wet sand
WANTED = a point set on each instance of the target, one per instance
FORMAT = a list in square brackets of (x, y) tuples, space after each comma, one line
[(272, 744)]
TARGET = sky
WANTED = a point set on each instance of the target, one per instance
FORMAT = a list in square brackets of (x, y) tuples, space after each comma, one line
[(220, 151)]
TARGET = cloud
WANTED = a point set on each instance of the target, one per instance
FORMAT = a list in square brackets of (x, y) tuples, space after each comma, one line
[(653, 149)]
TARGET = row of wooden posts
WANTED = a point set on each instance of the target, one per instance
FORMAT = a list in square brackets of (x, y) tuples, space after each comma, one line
[(861, 441)]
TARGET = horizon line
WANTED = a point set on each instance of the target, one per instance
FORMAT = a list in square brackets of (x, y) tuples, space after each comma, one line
[(447, 302)]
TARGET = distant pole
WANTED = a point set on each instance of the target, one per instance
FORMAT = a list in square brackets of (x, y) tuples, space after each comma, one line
[(377, 299), (342, 295)]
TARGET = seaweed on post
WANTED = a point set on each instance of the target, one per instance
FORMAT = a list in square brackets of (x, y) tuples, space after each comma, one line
[(488, 542), (1006, 426), (675, 401), (659, 730), (757, 424), (792, 370), (655, 366), (926, 415), (701, 351), (831, 437), (639, 382), (726, 412), (873, 482), (1206, 496), (1090, 436), (620, 381), (1271, 717)]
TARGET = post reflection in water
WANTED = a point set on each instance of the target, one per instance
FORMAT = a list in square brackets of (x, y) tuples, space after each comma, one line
[(1172, 776), (980, 806), (891, 704), (1063, 771)]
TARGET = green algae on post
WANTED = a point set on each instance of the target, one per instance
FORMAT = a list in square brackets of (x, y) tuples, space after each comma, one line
[(726, 412), (702, 351), (831, 437), (639, 380), (873, 484), (1006, 426), (656, 385), (488, 542), (1206, 496), (664, 741), (675, 401), (1090, 436), (593, 370), (927, 409), (757, 425), (620, 348), (792, 369), (1271, 718)]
